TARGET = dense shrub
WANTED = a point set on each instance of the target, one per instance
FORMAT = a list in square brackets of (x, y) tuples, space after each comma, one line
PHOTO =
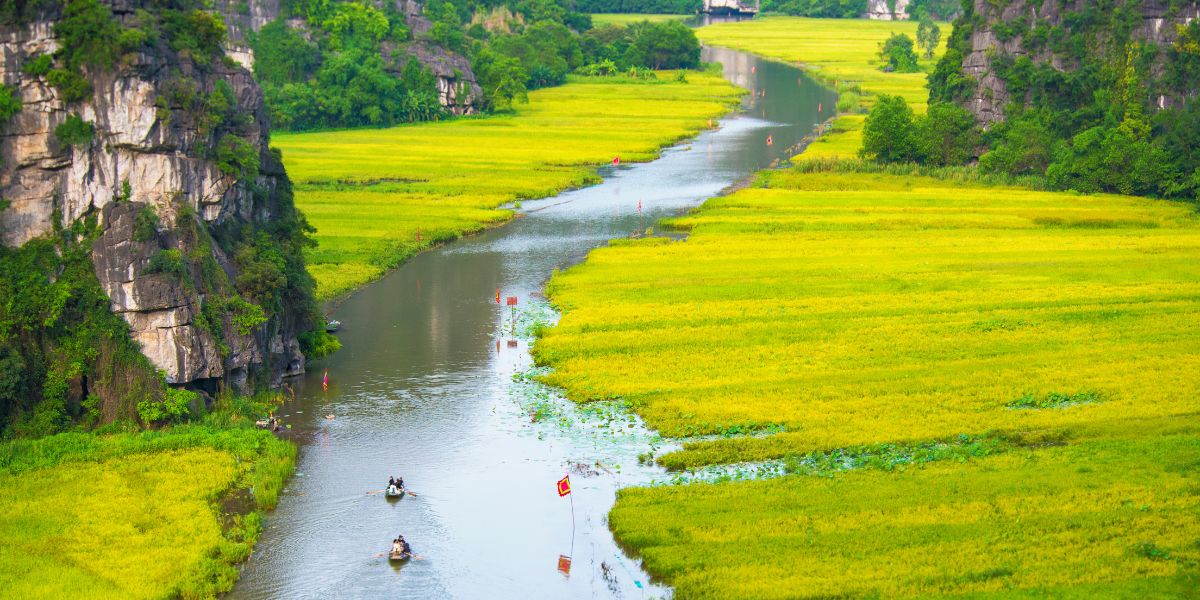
[(897, 54), (74, 131)]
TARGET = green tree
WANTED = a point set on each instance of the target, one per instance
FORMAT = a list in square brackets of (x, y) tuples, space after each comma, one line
[(502, 79), (928, 35), (281, 55), (889, 134), (667, 45), (897, 54), (947, 135)]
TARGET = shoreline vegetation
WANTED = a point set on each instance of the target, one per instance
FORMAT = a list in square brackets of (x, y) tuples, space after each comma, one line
[(379, 196), (123, 513), (845, 317)]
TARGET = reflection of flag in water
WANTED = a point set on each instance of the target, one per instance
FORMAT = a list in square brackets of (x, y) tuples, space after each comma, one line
[(564, 565), (325, 379), (770, 140), (564, 486)]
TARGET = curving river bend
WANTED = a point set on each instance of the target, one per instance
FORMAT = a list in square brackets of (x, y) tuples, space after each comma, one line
[(423, 387)]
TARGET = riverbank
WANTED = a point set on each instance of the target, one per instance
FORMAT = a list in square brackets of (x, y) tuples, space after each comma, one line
[(153, 514), (379, 196), (972, 389)]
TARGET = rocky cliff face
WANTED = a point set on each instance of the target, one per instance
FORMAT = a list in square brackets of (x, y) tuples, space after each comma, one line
[(1011, 30), (179, 228), (887, 10)]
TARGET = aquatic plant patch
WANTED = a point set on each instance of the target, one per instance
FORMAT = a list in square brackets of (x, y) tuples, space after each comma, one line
[(378, 196)]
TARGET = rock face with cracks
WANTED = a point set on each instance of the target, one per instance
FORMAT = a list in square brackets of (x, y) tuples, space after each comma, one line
[(169, 216), (1155, 23)]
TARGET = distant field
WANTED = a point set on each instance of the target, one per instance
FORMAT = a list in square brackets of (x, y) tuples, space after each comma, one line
[(369, 192), (841, 51), (602, 19), (132, 516)]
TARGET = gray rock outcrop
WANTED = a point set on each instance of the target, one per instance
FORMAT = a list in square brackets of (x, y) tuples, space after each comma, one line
[(1156, 24), (150, 156)]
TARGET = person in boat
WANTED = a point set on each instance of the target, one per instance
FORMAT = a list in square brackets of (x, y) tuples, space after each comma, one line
[(397, 545), (391, 482), (407, 549), (399, 483)]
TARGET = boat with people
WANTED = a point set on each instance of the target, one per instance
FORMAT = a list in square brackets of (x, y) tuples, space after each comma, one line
[(395, 488), (401, 551)]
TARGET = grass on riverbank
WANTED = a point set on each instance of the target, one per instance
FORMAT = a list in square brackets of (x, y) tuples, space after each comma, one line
[(370, 191), (135, 515)]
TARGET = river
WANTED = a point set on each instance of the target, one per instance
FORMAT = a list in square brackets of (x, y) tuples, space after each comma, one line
[(424, 387)]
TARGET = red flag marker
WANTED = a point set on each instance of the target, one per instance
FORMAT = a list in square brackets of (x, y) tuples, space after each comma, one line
[(512, 300), (770, 140), (418, 234), (616, 161), (497, 295), (564, 486), (639, 205), (564, 565)]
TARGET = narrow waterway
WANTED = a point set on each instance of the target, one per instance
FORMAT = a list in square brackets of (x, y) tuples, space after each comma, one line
[(424, 387)]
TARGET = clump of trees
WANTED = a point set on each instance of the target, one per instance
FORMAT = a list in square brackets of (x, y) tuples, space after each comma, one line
[(946, 135), (1094, 127), (349, 67)]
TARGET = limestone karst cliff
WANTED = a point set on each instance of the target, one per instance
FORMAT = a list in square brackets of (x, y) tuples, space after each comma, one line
[(997, 45), (140, 137)]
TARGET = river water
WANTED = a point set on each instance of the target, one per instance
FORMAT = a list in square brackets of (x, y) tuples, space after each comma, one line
[(424, 387)]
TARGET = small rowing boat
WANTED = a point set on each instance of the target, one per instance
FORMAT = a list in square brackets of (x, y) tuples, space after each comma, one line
[(395, 492), (399, 556)]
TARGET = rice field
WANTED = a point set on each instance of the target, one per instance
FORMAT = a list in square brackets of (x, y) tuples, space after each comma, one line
[(1111, 514), (378, 196), (132, 516), (834, 314)]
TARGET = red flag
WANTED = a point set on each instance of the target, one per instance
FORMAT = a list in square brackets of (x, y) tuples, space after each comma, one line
[(564, 565), (564, 486), (512, 300), (770, 140), (639, 205), (616, 160), (497, 295), (418, 234)]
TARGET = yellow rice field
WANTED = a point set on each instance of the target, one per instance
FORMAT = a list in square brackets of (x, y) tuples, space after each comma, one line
[(1112, 514), (852, 309), (370, 192)]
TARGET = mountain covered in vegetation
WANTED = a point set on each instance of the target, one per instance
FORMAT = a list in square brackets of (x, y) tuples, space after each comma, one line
[(151, 254)]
